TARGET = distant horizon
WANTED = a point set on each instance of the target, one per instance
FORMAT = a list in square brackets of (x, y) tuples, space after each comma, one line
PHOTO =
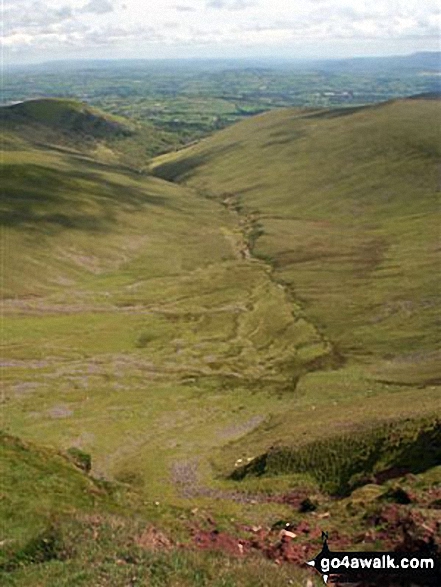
[(220, 59), (38, 31)]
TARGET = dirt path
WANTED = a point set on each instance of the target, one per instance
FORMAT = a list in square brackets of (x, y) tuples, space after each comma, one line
[(186, 477)]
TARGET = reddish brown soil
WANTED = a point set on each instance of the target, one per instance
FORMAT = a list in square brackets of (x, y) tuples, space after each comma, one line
[(393, 527)]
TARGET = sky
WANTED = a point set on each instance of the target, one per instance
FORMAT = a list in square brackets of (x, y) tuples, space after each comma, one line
[(42, 30)]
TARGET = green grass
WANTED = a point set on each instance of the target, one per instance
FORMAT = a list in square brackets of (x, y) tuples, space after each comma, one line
[(284, 296), (145, 292), (66, 115), (348, 210), (61, 527), (39, 485), (341, 463), (69, 125), (347, 205), (179, 568), (131, 317)]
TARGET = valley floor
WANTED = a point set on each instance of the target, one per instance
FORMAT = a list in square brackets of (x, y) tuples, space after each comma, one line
[(176, 334)]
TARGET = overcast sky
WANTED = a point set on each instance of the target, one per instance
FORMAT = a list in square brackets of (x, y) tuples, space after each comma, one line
[(39, 30)]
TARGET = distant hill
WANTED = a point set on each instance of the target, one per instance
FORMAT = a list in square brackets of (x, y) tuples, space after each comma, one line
[(424, 60), (75, 125), (420, 59), (426, 96), (66, 116)]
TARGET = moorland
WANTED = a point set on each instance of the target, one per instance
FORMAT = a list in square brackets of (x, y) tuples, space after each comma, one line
[(208, 346)]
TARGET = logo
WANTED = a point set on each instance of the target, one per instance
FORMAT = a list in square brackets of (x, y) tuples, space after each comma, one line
[(349, 567)]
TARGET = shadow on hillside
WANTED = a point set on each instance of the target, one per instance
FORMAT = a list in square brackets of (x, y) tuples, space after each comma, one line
[(339, 112), (44, 198), (180, 169)]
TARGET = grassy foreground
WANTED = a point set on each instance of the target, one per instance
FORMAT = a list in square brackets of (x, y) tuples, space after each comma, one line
[(61, 527)]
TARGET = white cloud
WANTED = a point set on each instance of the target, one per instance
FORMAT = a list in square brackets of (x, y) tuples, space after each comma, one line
[(35, 27), (230, 4), (23, 15), (184, 8), (98, 7)]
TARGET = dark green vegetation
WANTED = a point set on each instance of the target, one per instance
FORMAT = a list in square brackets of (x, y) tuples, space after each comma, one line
[(267, 304), (67, 124), (177, 102), (339, 464)]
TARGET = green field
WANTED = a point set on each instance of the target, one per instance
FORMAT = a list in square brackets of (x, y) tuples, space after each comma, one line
[(214, 331), (176, 102)]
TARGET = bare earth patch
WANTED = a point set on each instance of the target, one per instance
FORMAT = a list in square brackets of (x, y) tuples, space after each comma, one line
[(153, 539), (241, 428)]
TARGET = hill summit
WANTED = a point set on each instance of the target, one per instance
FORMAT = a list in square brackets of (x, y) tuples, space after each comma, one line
[(65, 116), (73, 125)]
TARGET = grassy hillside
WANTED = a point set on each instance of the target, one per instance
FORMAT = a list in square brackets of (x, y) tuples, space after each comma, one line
[(133, 328), (69, 124), (256, 322), (61, 527), (133, 315), (59, 489), (67, 116), (347, 209)]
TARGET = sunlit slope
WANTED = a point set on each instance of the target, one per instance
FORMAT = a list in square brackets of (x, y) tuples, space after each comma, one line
[(349, 212), (346, 210), (72, 125), (40, 489), (60, 526), (79, 236), (133, 316)]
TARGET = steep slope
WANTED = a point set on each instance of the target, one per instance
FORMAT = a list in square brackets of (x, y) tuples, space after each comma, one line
[(77, 217), (61, 527), (132, 313), (74, 125), (347, 201), (38, 487), (348, 213)]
